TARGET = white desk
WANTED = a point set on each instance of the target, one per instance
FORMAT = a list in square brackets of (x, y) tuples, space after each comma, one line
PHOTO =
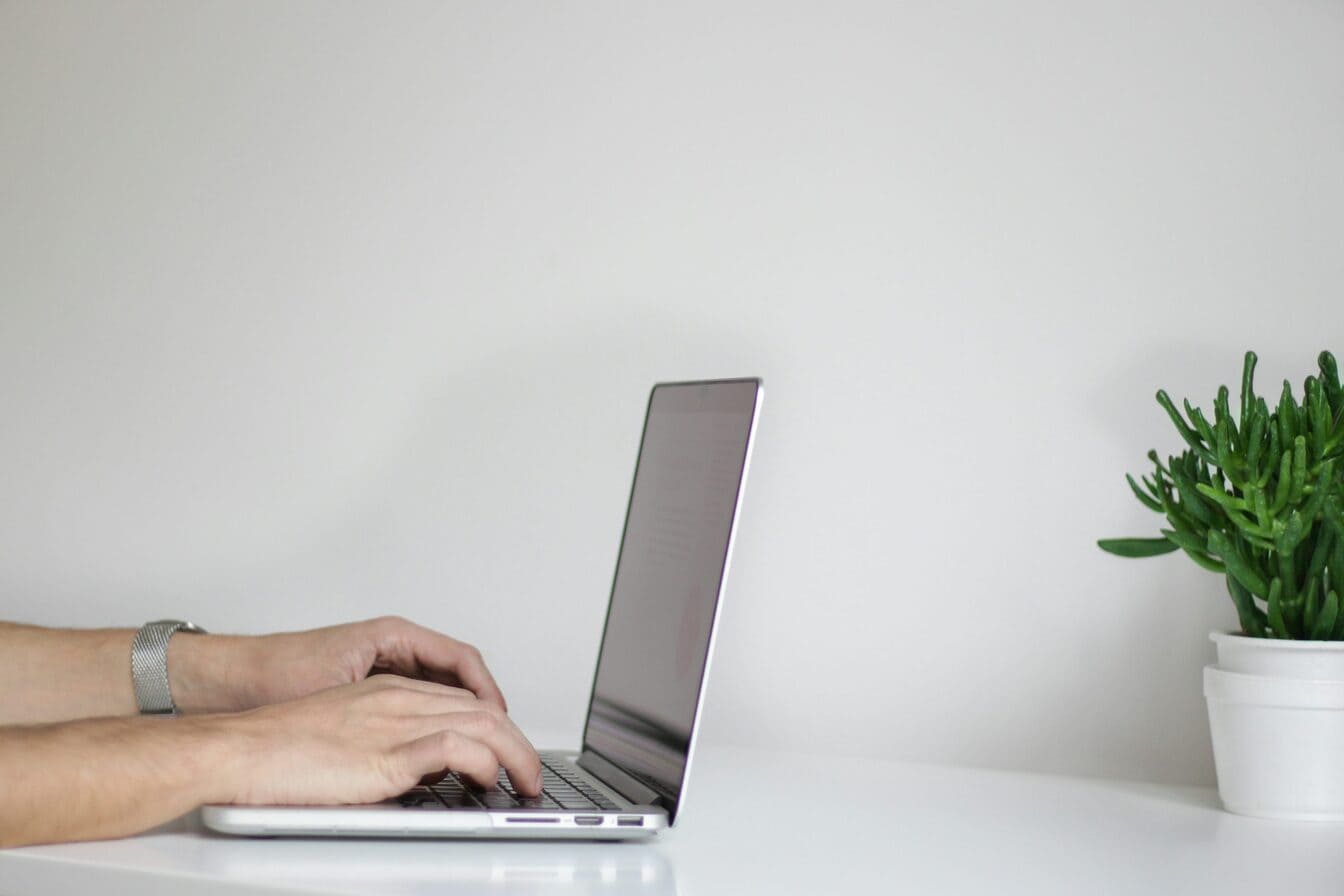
[(887, 828)]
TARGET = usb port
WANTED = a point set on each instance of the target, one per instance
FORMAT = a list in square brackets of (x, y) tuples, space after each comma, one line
[(630, 821), (587, 819)]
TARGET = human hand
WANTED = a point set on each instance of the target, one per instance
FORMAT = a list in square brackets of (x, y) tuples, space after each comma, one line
[(228, 673), (364, 742)]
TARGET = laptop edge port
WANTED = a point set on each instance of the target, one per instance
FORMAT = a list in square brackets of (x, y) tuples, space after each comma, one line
[(587, 819), (630, 821)]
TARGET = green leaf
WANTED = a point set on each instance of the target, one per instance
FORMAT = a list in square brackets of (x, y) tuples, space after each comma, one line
[(1275, 611), (1290, 533), (1330, 380), (1238, 565), (1143, 498), (1320, 491), (1150, 486), (1262, 513), (1299, 469), (1201, 422), (1247, 387), (1311, 605), (1287, 415), (1282, 488), (1320, 552), (1252, 618), (1318, 415), (1325, 623), (1192, 502), (1255, 441), (1222, 413), (1194, 549), (1231, 502), (1136, 547), (1191, 437)]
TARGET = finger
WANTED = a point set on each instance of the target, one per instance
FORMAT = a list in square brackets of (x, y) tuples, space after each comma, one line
[(418, 686), (498, 732), (433, 777), (421, 699), (470, 669), (413, 648), (444, 749)]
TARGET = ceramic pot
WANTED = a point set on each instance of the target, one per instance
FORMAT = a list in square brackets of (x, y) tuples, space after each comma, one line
[(1276, 713), (1316, 660)]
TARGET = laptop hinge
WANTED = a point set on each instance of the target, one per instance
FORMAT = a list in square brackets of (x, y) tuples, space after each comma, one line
[(610, 774)]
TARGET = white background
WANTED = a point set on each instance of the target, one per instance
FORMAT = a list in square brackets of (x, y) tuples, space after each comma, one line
[(310, 312)]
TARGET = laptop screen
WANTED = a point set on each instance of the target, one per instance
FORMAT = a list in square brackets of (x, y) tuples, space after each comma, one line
[(669, 573)]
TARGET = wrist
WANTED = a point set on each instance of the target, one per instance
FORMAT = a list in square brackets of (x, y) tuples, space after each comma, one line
[(219, 744), (209, 673)]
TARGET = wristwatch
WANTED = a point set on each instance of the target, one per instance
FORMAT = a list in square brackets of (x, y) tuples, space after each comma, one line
[(149, 664)]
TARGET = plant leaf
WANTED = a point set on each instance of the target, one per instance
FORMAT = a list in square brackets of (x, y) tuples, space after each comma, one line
[(1252, 617), (1325, 623), (1194, 549), (1143, 498), (1191, 437), (1330, 380), (1231, 502), (1275, 611), (1247, 387), (1136, 547), (1238, 566)]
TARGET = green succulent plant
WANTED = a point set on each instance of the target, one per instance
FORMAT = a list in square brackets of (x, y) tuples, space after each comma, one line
[(1258, 496)]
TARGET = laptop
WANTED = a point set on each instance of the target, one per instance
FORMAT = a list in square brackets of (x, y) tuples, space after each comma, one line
[(629, 778)]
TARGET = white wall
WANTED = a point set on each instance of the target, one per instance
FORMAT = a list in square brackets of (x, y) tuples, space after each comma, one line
[(316, 311)]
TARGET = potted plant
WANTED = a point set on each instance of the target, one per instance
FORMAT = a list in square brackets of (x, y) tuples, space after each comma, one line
[(1257, 496)]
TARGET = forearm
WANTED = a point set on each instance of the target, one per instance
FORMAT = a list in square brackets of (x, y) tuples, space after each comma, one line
[(55, 675), (49, 675), (106, 778)]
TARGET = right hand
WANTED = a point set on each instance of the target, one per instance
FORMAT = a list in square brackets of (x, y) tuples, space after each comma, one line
[(368, 741)]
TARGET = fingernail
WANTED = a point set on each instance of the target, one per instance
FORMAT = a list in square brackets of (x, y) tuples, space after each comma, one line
[(538, 782)]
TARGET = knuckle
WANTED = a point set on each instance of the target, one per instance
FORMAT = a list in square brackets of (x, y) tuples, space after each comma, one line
[(450, 743), (388, 622)]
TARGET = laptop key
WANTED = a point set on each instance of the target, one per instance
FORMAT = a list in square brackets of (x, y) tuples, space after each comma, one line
[(495, 799), (419, 797)]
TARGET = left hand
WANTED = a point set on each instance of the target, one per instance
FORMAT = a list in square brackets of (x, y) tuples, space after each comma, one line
[(230, 673)]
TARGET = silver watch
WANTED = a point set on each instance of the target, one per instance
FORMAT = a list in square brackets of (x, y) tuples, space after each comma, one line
[(149, 664)]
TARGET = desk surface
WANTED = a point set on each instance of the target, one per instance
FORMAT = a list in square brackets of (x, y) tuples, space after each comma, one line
[(769, 824)]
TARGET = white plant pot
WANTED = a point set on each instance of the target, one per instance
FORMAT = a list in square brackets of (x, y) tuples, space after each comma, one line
[(1276, 713), (1316, 660)]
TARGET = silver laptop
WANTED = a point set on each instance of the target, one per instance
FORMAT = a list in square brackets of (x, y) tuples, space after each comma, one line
[(629, 779)]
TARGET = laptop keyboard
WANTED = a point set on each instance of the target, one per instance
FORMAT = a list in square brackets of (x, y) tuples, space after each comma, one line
[(563, 787)]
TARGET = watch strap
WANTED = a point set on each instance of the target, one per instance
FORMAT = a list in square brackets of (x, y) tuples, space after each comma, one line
[(149, 664)]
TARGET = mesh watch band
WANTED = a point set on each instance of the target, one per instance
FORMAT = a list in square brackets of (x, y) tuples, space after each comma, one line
[(149, 664)]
